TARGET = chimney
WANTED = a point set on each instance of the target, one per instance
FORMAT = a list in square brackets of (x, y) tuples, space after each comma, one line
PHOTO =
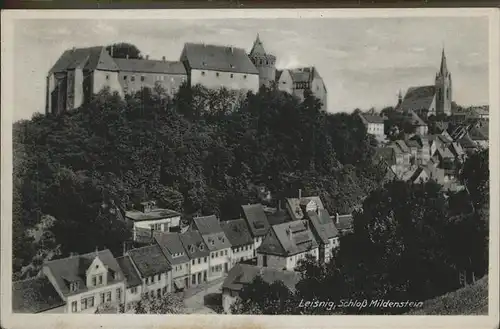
[(300, 193), (336, 218), (163, 58)]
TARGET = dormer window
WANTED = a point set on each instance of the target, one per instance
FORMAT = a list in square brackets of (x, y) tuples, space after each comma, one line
[(212, 242), (191, 248), (201, 247), (73, 286)]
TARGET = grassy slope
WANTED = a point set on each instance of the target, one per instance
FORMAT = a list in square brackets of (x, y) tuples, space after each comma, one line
[(471, 300)]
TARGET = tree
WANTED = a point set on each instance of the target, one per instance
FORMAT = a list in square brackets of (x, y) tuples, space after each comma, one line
[(166, 304), (124, 50), (476, 176)]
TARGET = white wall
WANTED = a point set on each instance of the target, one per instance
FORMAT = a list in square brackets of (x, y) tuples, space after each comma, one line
[(229, 80), (96, 293), (165, 223), (228, 298), (237, 253), (273, 261), (165, 281), (109, 79)]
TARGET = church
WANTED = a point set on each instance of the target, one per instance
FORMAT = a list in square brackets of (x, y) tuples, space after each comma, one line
[(82, 72), (432, 99)]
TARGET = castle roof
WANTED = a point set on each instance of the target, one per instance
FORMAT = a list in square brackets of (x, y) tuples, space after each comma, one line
[(90, 58), (150, 66), (418, 98), (443, 70), (304, 74), (258, 47), (217, 58)]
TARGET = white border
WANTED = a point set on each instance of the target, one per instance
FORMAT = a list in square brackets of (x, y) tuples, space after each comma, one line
[(9, 320)]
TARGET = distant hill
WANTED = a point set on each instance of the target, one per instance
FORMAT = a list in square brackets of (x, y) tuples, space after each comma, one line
[(470, 300)]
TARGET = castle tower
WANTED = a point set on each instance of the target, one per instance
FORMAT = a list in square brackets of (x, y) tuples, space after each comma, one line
[(264, 62), (443, 88)]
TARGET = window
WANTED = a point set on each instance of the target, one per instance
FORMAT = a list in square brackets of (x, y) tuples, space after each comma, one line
[(108, 296), (193, 279), (91, 301), (159, 277), (142, 78), (118, 294), (152, 294), (158, 293), (153, 279), (165, 290), (199, 260), (213, 255), (203, 73), (216, 254), (205, 259), (107, 76), (217, 74), (102, 298), (100, 278), (124, 77), (180, 267), (94, 280), (74, 306), (193, 261), (225, 252), (232, 76), (133, 290), (245, 76), (132, 78), (84, 304)]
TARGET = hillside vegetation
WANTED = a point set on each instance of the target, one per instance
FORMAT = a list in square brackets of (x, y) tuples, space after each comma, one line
[(202, 152)]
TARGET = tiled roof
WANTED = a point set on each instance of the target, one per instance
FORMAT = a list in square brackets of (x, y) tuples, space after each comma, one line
[(207, 224), (256, 219), (278, 217), (289, 239), (72, 269), (418, 98), (217, 58), (129, 271), (295, 205), (149, 260), (258, 47), (445, 153), (216, 241), (237, 232), (370, 118), (243, 274), (343, 222), (154, 214), (150, 66), (171, 245), (322, 225), (194, 245), (416, 174), (91, 58), (34, 295), (304, 74), (387, 154)]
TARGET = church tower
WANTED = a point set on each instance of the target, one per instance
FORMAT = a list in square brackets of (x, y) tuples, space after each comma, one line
[(264, 62), (443, 88)]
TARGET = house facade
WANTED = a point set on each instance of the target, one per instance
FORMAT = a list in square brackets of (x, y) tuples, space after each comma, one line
[(86, 282), (218, 244), (154, 270), (171, 245), (286, 244), (149, 218), (374, 125), (198, 254), (242, 244), (325, 233), (258, 224), (133, 285)]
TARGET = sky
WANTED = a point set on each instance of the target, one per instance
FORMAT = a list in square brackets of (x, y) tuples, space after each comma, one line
[(363, 61)]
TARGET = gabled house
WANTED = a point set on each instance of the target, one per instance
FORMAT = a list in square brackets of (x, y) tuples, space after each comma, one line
[(242, 245), (257, 222), (149, 218), (36, 295), (154, 270), (325, 233), (133, 283), (286, 244), (86, 282), (423, 154), (297, 81), (374, 125), (242, 275), (218, 244), (198, 254), (171, 245), (297, 207)]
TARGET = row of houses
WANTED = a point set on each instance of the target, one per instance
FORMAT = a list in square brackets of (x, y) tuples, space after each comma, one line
[(174, 260)]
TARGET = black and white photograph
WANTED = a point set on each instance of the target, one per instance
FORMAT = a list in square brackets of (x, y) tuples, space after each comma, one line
[(249, 165)]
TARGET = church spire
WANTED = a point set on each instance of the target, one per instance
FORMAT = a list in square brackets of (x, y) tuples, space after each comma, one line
[(258, 48), (444, 69)]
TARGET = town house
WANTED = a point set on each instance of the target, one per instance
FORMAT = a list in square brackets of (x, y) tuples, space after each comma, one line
[(133, 283), (242, 245), (86, 282), (218, 244), (198, 254), (374, 125), (171, 246), (242, 275), (154, 270), (424, 153), (285, 244), (325, 233), (297, 207), (150, 217), (257, 222)]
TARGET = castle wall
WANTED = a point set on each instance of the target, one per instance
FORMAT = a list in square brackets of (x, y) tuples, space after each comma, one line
[(229, 80), (132, 82), (102, 79), (285, 82)]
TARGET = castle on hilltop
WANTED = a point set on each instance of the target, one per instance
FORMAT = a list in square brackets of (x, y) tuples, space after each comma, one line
[(82, 72)]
